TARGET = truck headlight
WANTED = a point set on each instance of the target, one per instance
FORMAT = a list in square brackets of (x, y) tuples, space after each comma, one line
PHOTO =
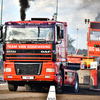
[(50, 69), (7, 69)]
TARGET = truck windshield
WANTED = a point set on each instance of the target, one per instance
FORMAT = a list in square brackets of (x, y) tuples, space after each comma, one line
[(95, 35), (30, 33)]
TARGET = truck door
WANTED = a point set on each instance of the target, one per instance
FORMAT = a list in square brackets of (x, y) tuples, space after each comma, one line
[(60, 47)]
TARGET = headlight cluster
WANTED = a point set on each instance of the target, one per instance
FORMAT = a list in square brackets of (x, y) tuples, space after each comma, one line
[(7, 69), (50, 69)]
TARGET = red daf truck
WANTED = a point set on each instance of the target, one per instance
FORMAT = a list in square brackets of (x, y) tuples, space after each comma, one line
[(35, 53)]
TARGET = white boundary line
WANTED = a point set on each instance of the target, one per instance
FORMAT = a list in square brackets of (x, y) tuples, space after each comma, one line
[(52, 93)]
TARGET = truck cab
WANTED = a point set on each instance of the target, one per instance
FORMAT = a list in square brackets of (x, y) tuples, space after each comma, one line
[(35, 51), (93, 39)]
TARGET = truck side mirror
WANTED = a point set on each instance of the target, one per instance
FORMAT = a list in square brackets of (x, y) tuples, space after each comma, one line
[(61, 35)]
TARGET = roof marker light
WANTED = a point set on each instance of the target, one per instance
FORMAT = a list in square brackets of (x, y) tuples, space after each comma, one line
[(11, 23)]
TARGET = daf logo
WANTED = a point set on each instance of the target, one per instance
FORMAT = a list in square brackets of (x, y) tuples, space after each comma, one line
[(45, 51)]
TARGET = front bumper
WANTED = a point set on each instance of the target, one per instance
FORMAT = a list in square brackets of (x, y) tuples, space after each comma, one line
[(44, 76), (36, 78)]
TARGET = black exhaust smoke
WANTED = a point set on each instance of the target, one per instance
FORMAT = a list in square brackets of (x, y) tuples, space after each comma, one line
[(24, 5)]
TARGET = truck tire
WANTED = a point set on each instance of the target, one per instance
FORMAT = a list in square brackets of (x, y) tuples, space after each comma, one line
[(12, 86), (58, 86), (75, 87), (28, 87)]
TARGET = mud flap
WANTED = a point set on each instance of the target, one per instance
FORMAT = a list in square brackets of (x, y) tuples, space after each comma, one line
[(94, 79)]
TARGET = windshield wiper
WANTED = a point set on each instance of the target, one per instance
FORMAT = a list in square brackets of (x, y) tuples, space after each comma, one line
[(34, 40), (41, 39)]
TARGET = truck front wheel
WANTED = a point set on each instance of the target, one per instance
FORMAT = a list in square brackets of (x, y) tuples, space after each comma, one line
[(59, 84), (12, 86)]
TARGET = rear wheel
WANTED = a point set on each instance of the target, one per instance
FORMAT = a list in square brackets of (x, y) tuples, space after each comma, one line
[(12, 86), (59, 84), (75, 87)]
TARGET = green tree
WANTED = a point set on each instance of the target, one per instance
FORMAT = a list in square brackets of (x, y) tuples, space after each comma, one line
[(70, 41), (71, 48)]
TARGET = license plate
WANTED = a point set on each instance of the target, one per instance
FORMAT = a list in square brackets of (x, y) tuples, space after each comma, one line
[(27, 77)]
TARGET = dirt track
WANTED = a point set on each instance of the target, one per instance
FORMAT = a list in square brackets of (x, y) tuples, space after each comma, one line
[(21, 94)]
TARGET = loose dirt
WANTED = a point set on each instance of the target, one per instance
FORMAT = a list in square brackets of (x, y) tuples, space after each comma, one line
[(21, 94)]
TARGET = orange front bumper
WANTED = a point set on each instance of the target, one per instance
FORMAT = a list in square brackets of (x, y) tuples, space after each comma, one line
[(44, 76)]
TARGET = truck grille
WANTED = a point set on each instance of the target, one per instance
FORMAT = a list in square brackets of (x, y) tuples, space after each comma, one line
[(28, 55), (28, 68)]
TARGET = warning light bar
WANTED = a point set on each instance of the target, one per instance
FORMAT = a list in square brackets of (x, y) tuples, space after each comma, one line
[(87, 20)]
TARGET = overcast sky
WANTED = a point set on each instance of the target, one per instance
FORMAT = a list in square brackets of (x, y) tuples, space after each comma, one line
[(74, 12)]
